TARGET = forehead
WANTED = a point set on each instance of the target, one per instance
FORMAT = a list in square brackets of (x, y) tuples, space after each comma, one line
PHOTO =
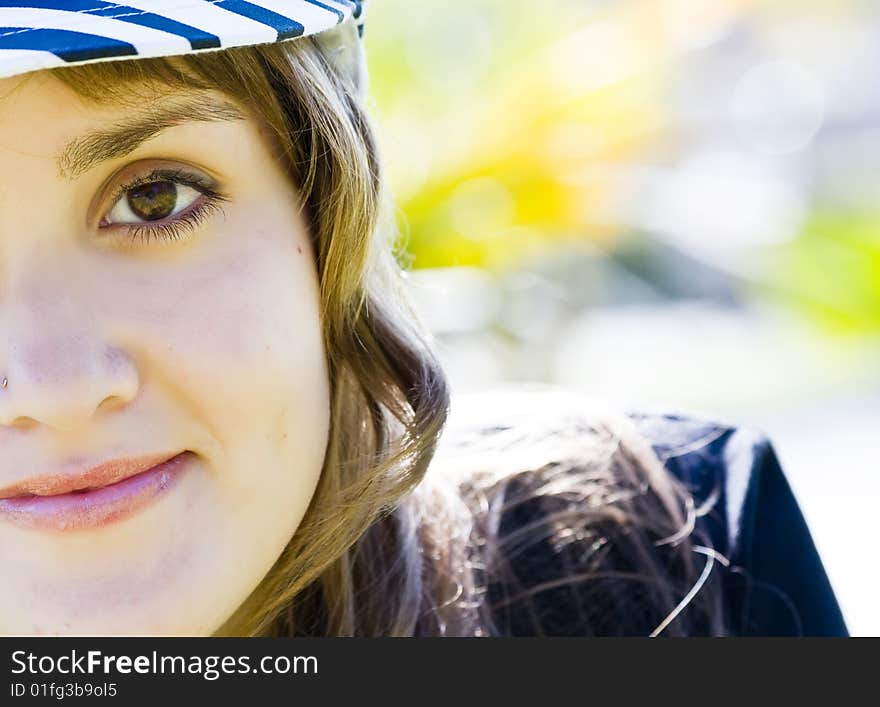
[(109, 97), (42, 117), (39, 114), (39, 108), (39, 89)]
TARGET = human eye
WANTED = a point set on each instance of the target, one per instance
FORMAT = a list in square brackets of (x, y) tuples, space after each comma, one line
[(164, 204)]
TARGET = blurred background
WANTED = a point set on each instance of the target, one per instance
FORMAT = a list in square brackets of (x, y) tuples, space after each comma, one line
[(669, 203)]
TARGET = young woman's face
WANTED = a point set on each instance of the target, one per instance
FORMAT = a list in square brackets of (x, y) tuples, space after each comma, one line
[(158, 300)]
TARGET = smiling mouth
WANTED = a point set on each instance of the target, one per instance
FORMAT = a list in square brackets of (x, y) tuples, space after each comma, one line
[(100, 496), (73, 479)]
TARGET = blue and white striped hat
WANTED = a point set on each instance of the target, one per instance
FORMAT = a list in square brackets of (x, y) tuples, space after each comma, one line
[(42, 34)]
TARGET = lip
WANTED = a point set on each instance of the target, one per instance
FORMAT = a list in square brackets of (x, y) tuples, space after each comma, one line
[(103, 494)]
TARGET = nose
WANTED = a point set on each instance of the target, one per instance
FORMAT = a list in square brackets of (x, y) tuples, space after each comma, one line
[(57, 368)]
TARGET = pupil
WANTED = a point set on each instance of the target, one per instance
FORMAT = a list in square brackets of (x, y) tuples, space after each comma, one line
[(152, 201)]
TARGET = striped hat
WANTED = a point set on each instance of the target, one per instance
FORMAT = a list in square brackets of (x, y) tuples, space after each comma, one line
[(42, 34)]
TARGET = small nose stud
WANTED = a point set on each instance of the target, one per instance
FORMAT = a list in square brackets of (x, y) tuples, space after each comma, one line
[(4, 383)]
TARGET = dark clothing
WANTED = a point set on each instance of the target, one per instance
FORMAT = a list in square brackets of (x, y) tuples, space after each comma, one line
[(775, 584)]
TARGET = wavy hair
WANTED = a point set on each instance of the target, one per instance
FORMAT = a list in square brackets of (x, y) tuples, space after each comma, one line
[(386, 548)]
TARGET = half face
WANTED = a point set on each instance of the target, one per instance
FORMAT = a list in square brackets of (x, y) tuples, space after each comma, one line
[(166, 404)]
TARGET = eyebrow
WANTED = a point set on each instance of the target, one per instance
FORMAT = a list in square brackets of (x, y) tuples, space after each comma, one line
[(87, 151)]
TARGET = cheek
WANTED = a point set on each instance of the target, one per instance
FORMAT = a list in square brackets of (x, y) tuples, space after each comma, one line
[(236, 336)]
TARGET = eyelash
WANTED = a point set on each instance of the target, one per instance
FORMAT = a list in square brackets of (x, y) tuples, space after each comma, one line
[(181, 225)]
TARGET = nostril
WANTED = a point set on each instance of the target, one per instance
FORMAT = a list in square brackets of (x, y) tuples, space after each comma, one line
[(22, 422), (65, 386), (112, 402)]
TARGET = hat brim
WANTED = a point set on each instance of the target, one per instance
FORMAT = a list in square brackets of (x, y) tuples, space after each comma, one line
[(45, 34)]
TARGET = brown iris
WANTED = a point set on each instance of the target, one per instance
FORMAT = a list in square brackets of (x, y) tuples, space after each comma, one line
[(152, 201)]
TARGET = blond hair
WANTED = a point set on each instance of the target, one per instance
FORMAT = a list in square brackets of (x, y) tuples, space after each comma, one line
[(383, 549)]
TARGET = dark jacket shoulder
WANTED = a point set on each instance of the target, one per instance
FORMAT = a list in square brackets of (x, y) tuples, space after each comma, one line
[(776, 583), (768, 574)]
